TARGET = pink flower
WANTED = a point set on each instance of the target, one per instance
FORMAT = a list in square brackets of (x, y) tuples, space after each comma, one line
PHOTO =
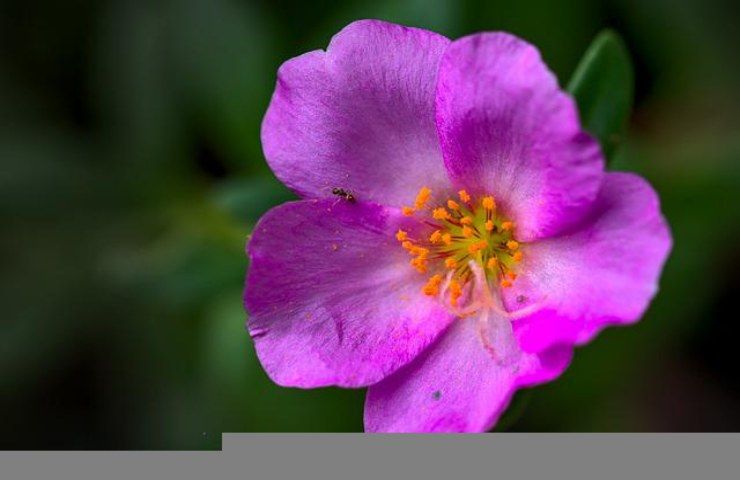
[(458, 234)]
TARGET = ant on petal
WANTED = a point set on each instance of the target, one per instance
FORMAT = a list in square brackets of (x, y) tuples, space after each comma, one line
[(345, 194)]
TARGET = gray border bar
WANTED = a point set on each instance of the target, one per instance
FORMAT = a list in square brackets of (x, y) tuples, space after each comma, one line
[(326, 456)]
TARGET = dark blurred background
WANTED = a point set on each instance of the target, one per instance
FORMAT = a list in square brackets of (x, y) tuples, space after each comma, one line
[(132, 173)]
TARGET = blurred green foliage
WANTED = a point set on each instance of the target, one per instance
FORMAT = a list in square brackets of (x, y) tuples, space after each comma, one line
[(603, 87), (132, 174)]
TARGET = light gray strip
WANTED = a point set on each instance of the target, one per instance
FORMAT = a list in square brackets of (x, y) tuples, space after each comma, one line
[(506, 456), (494, 456)]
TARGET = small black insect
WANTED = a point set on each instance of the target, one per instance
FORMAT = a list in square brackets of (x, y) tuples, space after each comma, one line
[(345, 194)]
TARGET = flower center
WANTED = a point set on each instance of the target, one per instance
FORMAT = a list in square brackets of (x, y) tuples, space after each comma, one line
[(467, 241)]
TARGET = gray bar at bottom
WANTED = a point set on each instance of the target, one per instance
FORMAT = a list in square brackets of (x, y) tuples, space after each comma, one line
[(505, 456)]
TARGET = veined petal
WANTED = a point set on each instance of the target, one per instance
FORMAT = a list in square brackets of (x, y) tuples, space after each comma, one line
[(457, 384), (359, 116), (506, 128), (331, 297), (604, 273)]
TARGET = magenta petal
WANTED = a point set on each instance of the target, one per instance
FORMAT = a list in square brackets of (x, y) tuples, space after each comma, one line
[(359, 116), (456, 385), (507, 128), (331, 297), (604, 273)]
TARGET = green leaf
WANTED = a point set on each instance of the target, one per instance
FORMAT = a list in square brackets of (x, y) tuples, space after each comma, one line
[(603, 86)]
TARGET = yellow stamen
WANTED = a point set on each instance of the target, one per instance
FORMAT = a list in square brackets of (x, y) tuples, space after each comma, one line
[(422, 198), (430, 290), (419, 264), (465, 232), (455, 292), (440, 213), (414, 249), (408, 211), (432, 286), (477, 246)]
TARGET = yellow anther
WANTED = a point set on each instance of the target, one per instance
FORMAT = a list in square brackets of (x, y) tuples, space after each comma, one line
[(477, 246), (430, 290), (419, 264), (422, 198), (432, 286), (436, 236), (468, 232), (489, 225), (450, 263), (511, 275), (512, 244), (401, 235), (464, 196), (455, 292), (447, 239), (505, 283), (453, 205), (408, 211), (492, 263), (440, 213), (518, 256), (488, 203), (408, 245), (507, 225), (466, 221), (421, 252)]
